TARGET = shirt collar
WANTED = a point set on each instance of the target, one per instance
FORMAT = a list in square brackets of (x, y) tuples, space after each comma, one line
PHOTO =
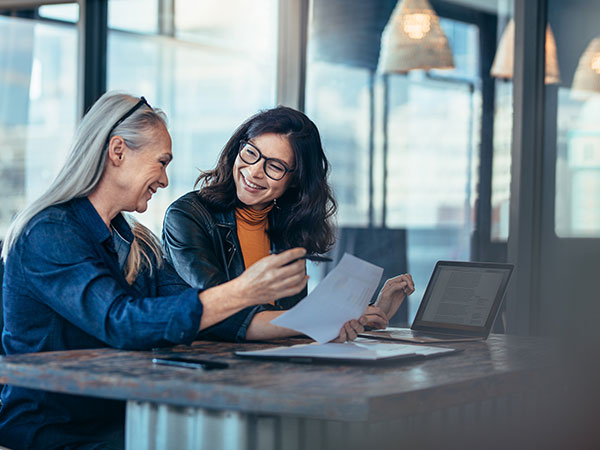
[(98, 229)]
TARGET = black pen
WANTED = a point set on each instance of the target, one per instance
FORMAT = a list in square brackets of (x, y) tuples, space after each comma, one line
[(309, 256), (315, 257), (312, 257)]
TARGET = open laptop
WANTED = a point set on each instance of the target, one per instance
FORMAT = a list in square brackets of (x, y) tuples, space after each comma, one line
[(461, 303)]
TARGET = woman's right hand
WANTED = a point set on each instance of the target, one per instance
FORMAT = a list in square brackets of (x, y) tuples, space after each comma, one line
[(273, 277)]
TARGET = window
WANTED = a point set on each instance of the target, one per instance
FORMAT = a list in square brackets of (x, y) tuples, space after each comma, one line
[(404, 148), (503, 119), (577, 199), (209, 66), (38, 79)]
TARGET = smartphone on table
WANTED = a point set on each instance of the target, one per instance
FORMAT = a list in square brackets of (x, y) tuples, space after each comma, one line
[(190, 363)]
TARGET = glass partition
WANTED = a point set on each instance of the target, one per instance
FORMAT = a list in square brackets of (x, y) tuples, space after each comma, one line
[(406, 147), (209, 66), (573, 128), (38, 80)]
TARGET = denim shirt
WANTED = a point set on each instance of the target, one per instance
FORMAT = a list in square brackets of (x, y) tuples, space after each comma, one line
[(64, 289)]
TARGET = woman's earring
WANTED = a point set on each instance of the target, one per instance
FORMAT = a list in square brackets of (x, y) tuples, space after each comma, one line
[(275, 203)]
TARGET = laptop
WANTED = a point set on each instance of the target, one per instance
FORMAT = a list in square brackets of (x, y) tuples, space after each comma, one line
[(461, 303)]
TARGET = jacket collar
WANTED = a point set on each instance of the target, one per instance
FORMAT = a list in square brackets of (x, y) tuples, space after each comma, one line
[(98, 230), (224, 218)]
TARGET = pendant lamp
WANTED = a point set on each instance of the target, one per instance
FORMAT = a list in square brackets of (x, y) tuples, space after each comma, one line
[(587, 74), (503, 65), (413, 39)]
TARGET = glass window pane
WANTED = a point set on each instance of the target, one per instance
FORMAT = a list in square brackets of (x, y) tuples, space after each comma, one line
[(234, 24), (38, 79), (431, 185), (577, 198), (139, 16), (503, 120), (338, 102), (206, 79), (404, 147), (66, 13)]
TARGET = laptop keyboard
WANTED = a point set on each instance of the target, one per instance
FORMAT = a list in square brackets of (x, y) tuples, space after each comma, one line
[(447, 337)]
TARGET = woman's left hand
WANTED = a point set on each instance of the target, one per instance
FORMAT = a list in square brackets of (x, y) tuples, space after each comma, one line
[(350, 330), (390, 298), (376, 318), (393, 293)]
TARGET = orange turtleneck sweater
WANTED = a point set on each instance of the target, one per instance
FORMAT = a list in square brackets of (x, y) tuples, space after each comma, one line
[(251, 230)]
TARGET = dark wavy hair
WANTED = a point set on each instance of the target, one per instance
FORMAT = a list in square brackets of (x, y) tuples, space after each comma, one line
[(303, 216)]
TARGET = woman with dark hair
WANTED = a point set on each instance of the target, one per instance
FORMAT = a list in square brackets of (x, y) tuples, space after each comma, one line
[(268, 193)]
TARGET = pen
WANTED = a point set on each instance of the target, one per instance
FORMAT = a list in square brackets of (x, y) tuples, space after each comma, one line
[(315, 257), (309, 256), (312, 257)]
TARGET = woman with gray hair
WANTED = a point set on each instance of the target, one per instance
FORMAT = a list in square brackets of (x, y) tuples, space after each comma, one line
[(80, 275)]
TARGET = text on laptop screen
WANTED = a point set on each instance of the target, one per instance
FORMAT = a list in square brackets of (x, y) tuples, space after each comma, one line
[(462, 296)]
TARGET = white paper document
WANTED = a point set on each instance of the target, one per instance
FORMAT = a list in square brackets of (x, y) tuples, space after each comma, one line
[(342, 295), (359, 350)]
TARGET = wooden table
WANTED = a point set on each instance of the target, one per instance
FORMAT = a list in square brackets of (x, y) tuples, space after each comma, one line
[(255, 404)]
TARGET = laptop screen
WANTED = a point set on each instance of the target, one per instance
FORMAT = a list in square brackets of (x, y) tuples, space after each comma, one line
[(463, 297)]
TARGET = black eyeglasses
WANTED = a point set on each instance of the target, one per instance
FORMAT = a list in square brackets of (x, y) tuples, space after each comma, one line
[(274, 168), (127, 115)]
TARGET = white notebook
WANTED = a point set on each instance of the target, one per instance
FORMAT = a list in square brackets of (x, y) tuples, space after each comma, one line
[(361, 350)]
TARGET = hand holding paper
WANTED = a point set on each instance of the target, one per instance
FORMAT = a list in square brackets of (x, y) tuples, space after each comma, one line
[(343, 295)]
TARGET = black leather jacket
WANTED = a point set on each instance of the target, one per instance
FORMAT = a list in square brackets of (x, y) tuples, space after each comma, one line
[(203, 246)]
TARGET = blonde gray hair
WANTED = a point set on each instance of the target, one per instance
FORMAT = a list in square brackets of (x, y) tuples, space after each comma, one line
[(85, 164)]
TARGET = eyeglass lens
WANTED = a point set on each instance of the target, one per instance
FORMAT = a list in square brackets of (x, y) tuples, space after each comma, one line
[(273, 168)]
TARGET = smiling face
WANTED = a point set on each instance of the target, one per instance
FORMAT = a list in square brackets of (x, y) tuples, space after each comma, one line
[(253, 187), (145, 170)]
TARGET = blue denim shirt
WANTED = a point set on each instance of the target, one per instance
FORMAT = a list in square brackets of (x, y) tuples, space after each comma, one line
[(64, 289)]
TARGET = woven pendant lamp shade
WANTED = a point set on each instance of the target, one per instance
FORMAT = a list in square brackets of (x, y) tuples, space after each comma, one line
[(413, 39), (504, 60), (587, 75), (503, 66), (552, 75)]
